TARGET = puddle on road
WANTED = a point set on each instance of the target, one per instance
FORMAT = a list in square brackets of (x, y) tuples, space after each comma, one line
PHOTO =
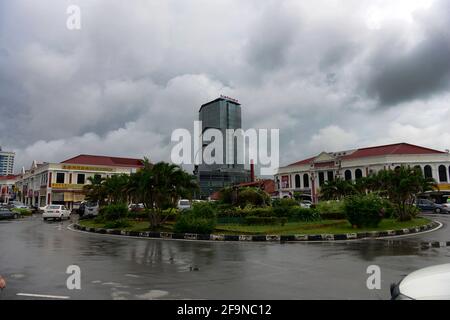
[(152, 294)]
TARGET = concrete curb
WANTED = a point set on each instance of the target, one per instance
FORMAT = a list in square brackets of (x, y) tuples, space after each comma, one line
[(273, 238)]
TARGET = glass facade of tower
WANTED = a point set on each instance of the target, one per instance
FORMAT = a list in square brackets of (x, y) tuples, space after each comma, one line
[(221, 114), (6, 162)]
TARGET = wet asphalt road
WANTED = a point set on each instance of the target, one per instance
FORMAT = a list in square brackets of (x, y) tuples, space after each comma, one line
[(34, 257)]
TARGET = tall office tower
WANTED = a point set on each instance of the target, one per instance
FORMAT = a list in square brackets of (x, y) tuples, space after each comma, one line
[(6, 162), (221, 114)]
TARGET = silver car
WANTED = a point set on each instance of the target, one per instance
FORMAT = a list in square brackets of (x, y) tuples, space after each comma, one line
[(432, 283)]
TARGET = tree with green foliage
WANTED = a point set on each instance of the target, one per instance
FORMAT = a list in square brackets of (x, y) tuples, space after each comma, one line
[(95, 190), (336, 189)]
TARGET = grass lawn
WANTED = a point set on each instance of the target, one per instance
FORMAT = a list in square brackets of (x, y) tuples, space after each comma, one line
[(291, 228), (323, 227)]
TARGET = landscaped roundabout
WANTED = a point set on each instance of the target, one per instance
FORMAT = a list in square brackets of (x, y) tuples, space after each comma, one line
[(381, 205)]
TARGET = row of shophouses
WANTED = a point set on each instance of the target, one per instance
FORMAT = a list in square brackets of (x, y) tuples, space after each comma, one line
[(305, 177), (62, 183)]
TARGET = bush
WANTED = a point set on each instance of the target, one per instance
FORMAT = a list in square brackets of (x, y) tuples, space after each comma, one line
[(203, 210), (189, 223), (284, 203), (259, 221), (117, 224), (114, 212), (22, 211), (364, 210), (251, 196), (303, 214), (331, 210)]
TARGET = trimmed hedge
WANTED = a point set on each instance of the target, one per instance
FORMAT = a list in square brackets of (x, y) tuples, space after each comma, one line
[(188, 223), (257, 221)]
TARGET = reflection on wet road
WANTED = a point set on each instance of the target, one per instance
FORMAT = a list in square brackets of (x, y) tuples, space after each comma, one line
[(34, 257)]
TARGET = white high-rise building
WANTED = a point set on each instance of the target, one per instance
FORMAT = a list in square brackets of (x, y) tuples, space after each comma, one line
[(6, 162)]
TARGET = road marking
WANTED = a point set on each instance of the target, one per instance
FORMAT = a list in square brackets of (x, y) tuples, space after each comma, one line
[(42, 296)]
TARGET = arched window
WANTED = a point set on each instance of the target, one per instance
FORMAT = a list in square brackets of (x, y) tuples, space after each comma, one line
[(348, 175), (358, 174), (305, 181), (428, 172), (297, 181), (443, 174), (321, 178)]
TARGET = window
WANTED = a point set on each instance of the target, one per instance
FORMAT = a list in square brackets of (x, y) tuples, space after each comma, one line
[(358, 174), (330, 175), (348, 175), (81, 178), (305, 181), (60, 177), (443, 174), (297, 182), (321, 178), (428, 172)]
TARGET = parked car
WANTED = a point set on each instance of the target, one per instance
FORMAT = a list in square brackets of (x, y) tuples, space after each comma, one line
[(306, 204), (56, 212), (139, 207), (426, 205), (91, 209), (430, 283), (18, 205), (6, 214), (184, 204)]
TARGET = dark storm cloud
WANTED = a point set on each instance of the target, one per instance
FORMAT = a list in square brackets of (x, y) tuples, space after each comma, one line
[(139, 69), (402, 74)]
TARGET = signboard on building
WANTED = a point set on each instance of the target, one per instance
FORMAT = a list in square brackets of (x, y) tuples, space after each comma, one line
[(86, 168), (67, 186)]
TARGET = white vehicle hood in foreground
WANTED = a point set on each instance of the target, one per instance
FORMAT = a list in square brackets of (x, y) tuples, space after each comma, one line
[(432, 283)]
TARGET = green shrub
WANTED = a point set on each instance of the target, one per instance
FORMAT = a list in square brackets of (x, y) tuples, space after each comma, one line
[(331, 210), (117, 224), (364, 210), (303, 214), (263, 221), (257, 212), (189, 223), (252, 196), (284, 203), (203, 210), (114, 212), (22, 211)]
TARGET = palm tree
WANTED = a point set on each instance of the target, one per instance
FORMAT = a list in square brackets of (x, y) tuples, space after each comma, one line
[(401, 186), (115, 187), (95, 190), (336, 189)]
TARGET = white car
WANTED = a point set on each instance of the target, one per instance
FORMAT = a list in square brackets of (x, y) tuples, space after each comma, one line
[(431, 283), (306, 204), (56, 212), (184, 204)]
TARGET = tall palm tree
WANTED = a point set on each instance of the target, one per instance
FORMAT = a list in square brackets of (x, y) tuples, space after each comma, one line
[(95, 190)]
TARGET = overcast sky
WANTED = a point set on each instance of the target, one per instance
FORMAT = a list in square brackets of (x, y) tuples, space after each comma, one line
[(329, 74)]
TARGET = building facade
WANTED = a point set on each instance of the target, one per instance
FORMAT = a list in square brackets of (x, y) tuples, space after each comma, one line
[(6, 162), (62, 183), (221, 114), (307, 176), (7, 190)]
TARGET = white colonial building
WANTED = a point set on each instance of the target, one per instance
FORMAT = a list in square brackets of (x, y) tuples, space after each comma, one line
[(62, 183), (307, 176)]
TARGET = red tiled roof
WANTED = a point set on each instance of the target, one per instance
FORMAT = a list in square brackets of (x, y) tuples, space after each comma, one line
[(391, 149), (397, 149), (104, 161), (302, 163)]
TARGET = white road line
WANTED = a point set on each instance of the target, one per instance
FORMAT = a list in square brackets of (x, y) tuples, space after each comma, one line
[(42, 296)]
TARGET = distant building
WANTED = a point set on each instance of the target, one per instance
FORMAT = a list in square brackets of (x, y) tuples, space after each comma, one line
[(222, 114), (7, 190), (62, 183), (6, 162), (307, 176)]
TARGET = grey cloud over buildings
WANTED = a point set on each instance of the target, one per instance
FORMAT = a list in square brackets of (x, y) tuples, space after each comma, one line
[(139, 69)]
